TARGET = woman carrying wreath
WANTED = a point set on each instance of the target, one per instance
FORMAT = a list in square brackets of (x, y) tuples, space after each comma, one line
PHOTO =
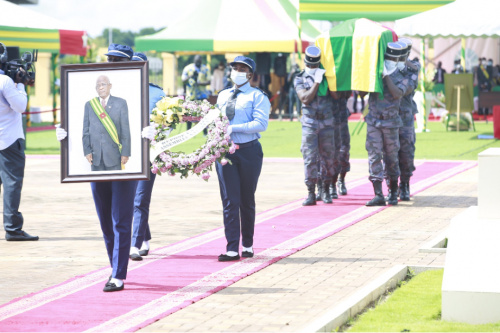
[(247, 109)]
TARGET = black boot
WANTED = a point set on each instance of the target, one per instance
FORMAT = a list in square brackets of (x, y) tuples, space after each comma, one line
[(311, 197), (393, 196), (325, 195), (388, 183), (333, 187), (341, 184), (320, 190), (404, 191), (378, 200)]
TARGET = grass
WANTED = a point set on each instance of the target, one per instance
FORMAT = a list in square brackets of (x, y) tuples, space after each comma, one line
[(414, 307), (283, 138)]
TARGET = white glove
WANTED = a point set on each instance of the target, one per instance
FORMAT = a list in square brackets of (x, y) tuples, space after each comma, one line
[(229, 130), (149, 132), (318, 75), (61, 133)]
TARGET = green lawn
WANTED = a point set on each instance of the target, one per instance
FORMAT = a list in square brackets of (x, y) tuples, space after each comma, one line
[(282, 139), (414, 307)]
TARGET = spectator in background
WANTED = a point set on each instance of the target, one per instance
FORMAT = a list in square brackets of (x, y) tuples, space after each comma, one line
[(219, 78), (355, 95), (439, 76), (196, 77), (483, 81), (293, 99), (458, 69)]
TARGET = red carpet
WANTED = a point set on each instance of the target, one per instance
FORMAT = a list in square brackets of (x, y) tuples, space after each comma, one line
[(188, 271)]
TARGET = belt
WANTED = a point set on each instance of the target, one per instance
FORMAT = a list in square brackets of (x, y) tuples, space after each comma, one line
[(247, 144), (382, 117)]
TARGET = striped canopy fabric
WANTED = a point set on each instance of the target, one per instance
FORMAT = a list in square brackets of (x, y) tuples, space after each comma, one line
[(352, 53), (377, 10), (28, 30), (217, 26), (27, 39)]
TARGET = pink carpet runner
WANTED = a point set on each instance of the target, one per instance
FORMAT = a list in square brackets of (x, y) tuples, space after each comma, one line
[(188, 271)]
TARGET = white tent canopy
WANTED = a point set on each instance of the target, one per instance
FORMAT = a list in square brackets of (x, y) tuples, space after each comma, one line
[(22, 17), (462, 18)]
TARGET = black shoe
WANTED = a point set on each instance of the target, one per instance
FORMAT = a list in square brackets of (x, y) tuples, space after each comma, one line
[(135, 257), (247, 254), (225, 257), (112, 287), (143, 253), (23, 236), (376, 201)]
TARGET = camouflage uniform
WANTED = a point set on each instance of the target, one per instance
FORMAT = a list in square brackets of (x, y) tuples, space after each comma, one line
[(407, 111), (317, 133), (342, 138), (382, 136)]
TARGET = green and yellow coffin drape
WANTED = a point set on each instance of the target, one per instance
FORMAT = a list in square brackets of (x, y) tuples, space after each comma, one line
[(352, 53)]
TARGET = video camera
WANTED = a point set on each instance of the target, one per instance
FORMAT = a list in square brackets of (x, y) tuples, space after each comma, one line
[(13, 67)]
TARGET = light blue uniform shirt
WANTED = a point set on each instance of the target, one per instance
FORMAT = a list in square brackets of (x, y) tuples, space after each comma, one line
[(155, 94), (251, 112)]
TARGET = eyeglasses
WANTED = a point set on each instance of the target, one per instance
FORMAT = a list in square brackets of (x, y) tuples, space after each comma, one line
[(102, 85)]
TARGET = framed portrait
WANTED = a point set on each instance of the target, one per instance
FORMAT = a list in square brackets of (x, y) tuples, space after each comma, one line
[(104, 107)]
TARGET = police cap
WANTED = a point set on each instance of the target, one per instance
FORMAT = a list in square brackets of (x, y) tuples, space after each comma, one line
[(394, 50), (138, 56), (118, 50), (408, 42), (313, 55), (404, 52), (244, 60)]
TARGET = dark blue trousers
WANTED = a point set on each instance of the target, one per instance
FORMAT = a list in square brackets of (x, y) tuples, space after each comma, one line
[(238, 183), (142, 201), (12, 162), (114, 203)]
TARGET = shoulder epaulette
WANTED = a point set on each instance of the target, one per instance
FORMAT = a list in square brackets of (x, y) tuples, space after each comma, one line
[(262, 91), (154, 85)]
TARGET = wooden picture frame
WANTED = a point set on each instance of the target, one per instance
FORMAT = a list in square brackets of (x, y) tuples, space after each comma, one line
[(127, 84)]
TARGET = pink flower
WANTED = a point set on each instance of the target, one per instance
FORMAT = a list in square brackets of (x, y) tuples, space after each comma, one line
[(197, 170), (168, 165), (224, 142), (205, 175), (232, 148), (217, 154), (164, 157), (222, 150), (223, 161), (154, 169), (227, 137), (163, 169)]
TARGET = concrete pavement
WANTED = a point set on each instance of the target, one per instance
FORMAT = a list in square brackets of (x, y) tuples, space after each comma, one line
[(285, 296)]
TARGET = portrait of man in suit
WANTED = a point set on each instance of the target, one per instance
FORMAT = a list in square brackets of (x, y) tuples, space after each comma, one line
[(106, 130)]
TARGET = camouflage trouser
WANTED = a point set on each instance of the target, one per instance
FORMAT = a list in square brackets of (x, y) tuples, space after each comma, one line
[(317, 146), (342, 144), (407, 152), (382, 144)]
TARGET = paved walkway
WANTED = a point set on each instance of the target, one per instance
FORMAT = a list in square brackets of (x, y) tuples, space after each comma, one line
[(285, 296)]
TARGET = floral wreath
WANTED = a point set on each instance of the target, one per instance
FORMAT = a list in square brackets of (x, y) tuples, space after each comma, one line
[(169, 112)]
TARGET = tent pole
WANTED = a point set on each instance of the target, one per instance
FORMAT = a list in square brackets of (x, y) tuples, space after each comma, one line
[(54, 92), (422, 82), (462, 54)]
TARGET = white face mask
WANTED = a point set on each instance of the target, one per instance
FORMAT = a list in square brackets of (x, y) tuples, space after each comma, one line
[(390, 65), (310, 71), (401, 65), (239, 78)]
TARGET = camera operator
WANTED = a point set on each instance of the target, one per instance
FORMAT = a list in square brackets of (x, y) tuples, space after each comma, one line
[(13, 102)]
